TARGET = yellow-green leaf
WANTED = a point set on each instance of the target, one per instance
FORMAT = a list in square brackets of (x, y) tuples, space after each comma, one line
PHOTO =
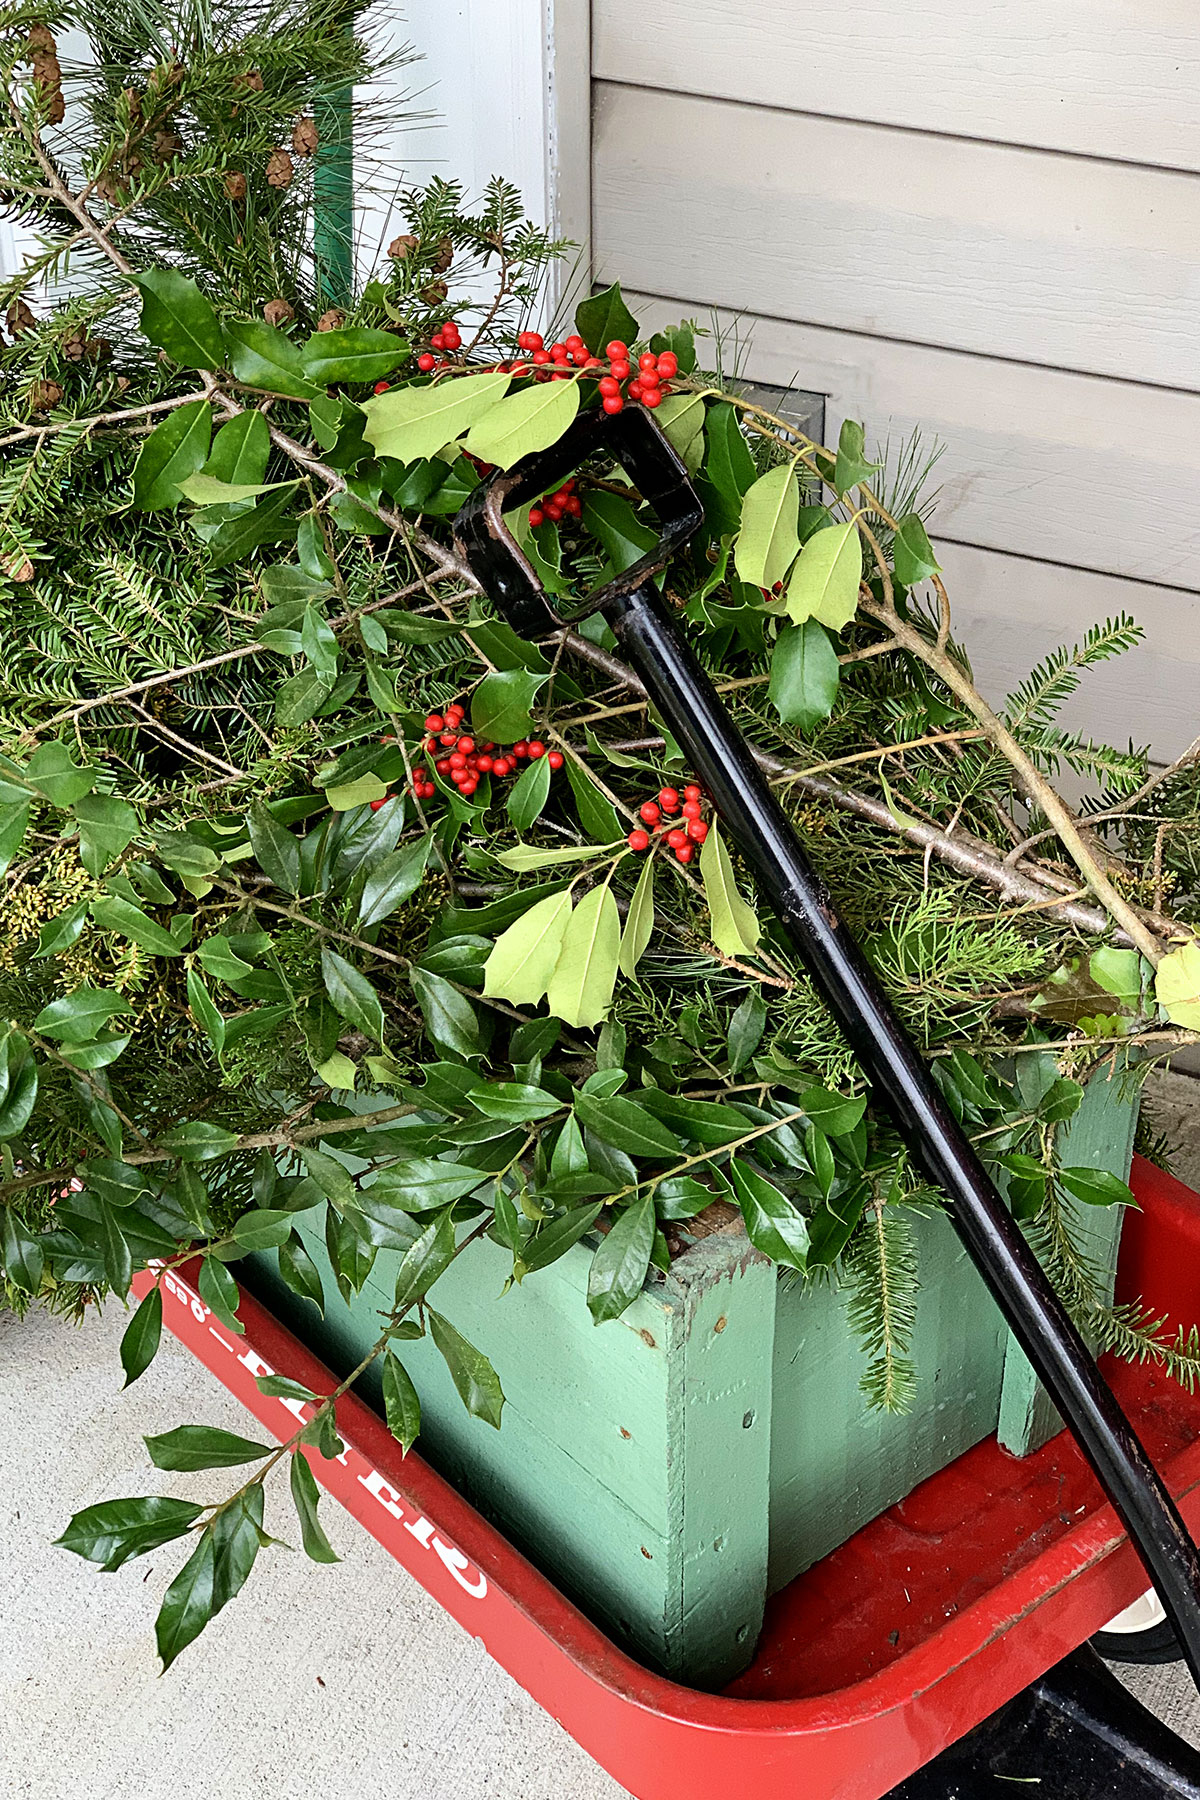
[(735, 927), (826, 578), (411, 422), (767, 542), (639, 921), (681, 419), (1177, 986), (522, 423), (523, 958), (581, 987)]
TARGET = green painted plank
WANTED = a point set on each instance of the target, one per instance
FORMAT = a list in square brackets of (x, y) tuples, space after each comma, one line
[(1099, 1136), (836, 1461)]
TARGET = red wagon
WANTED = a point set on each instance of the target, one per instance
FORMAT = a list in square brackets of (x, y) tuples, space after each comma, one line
[(894, 1647)]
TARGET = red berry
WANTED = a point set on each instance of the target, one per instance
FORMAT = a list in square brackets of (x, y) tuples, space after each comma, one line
[(426, 362), (608, 385), (677, 838), (428, 792), (649, 378), (489, 747), (467, 787), (637, 840), (466, 745), (420, 776), (457, 760), (616, 351), (613, 403), (653, 398), (635, 390), (668, 799), (429, 745), (647, 360), (536, 749), (530, 340), (697, 830), (668, 364), (649, 813), (575, 342), (451, 340), (442, 765), (665, 389), (619, 369), (553, 511), (536, 517), (574, 507), (690, 809), (593, 362), (376, 804), (483, 764), (434, 722), (437, 341), (501, 766), (520, 748), (381, 387), (685, 853), (555, 759), (540, 358), (559, 352), (693, 791)]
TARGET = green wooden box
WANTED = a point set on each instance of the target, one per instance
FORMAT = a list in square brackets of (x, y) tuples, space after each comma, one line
[(672, 1468)]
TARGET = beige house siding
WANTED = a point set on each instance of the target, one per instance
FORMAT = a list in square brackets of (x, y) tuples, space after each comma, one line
[(981, 221)]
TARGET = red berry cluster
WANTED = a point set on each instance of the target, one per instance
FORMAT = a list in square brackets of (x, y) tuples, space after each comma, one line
[(447, 338), (684, 838), (564, 504), (459, 759), (558, 360), (650, 385)]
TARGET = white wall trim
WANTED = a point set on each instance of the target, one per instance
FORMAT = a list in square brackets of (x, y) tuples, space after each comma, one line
[(507, 84)]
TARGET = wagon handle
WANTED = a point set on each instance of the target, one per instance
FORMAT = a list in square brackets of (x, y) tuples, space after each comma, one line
[(692, 710)]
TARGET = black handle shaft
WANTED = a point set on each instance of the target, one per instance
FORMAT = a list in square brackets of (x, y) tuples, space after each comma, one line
[(716, 750)]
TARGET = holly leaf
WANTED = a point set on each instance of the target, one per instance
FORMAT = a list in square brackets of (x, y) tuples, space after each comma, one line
[(772, 1223), (728, 469), (401, 1402), (353, 354), (804, 675), (523, 423), (116, 1530), (622, 1262), (219, 1292), (912, 553), (529, 794), (1096, 1187), (604, 318), (767, 539), (735, 927), (177, 318), (240, 450), (188, 1602), (174, 450), (639, 922), (524, 958), (852, 465), (581, 987), (106, 826), (473, 1375), (113, 913), (352, 994), (627, 1125), (394, 880), (1177, 985), (191, 1447), (449, 1016), (826, 579), (411, 422), (275, 847), (141, 1337), (20, 1252), (596, 812), (501, 703), (77, 1017), (263, 357), (305, 1496)]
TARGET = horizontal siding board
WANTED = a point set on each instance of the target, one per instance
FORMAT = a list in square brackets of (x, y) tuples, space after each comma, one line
[(1068, 468), (1021, 254), (1097, 77), (1040, 470)]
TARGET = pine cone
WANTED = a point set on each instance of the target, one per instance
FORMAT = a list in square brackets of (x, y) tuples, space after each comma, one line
[(235, 185), (17, 568), (47, 74), (280, 169), (305, 137), (434, 293), (444, 257), (166, 146), (44, 394), (108, 188), (401, 248), (251, 80), (98, 349), (74, 347), (133, 100), (19, 319), (333, 320), (278, 312)]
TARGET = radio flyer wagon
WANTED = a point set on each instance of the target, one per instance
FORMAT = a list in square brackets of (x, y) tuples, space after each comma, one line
[(936, 1655), (923, 1654)]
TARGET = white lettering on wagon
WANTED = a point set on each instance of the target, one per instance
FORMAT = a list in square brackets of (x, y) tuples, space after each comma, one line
[(472, 1580)]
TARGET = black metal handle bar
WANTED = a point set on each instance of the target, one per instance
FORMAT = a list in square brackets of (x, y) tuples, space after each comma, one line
[(693, 711)]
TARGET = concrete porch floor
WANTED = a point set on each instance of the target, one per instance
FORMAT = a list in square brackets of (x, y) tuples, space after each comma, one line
[(316, 1680)]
